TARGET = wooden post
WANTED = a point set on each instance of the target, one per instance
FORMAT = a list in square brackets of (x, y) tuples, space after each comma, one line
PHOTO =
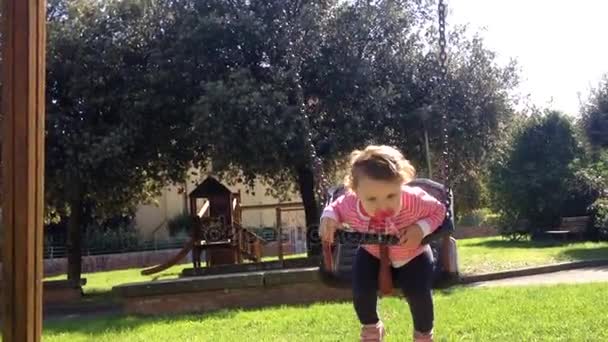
[(279, 233), (23, 107)]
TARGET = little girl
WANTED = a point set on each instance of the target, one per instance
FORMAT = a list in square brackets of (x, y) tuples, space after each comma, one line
[(377, 185)]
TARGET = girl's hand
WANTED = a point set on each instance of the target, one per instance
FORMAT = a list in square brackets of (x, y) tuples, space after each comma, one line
[(327, 230), (411, 237)]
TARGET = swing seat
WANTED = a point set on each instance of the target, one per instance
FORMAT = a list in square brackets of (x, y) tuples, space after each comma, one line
[(337, 261)]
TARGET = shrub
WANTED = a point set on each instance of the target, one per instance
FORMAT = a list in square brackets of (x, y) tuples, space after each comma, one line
[(599, 211), (531, 178), (180, 225), (110, 238), (469, 192), (512, 227), (477, 218), (586, 185)]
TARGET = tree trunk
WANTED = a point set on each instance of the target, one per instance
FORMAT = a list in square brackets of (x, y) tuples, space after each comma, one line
[(306, 183), (427, 152), (74, 241)]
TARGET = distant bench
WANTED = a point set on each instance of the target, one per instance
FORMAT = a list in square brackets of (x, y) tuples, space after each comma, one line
[(576, 225)]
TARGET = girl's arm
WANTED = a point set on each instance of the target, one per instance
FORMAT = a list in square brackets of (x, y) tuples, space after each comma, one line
[(430, 211), (331, 219)]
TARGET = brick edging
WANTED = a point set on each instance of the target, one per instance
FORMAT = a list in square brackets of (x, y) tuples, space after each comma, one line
[(120, 305), (522, 272)]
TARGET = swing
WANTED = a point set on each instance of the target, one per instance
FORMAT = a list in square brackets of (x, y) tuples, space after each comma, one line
[(337, 262), (335, 268)]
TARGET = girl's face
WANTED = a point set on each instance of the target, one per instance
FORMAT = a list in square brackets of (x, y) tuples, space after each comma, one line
[(377, 196)]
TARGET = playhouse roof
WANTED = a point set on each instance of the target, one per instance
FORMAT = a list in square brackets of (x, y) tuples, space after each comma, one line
[(210, 187)]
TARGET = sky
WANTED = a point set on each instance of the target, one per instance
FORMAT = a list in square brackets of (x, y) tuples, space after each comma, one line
[(560, 45)]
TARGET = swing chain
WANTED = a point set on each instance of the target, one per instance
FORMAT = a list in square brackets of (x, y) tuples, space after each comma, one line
[(442, 40), (442, 90)]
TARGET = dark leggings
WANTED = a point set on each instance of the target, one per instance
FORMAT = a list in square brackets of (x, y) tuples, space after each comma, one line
[(414, 279)]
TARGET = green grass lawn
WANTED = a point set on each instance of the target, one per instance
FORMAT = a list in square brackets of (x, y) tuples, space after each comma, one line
[(104, 281), (478, 255), (564, 313), (481, 255)]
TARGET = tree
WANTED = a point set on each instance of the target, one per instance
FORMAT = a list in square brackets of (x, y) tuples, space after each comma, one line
[(477, 102), (306, 69), (344, 75), (531, 179), (253, 113), (115, 135), (595, 115), (378, 69)]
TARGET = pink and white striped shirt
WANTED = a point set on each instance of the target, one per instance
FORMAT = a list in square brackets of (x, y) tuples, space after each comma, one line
[(416, 207)]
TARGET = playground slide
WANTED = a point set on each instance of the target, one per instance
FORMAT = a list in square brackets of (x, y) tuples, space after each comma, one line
[(174, 260)]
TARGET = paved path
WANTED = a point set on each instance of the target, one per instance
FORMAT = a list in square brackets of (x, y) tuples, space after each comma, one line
[(583, 275)]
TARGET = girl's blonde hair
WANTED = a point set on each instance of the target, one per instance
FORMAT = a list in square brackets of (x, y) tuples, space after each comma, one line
[(379, 162)]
